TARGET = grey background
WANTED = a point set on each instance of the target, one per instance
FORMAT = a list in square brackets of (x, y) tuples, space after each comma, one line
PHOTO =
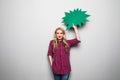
[(27, 26)]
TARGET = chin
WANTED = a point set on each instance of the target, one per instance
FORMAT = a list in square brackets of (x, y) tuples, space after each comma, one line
[(59, 38)]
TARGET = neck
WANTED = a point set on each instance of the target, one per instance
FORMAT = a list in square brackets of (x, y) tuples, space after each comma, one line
[(59, 40)]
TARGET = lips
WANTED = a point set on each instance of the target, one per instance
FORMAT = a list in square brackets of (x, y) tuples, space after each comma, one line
[(59, 36)]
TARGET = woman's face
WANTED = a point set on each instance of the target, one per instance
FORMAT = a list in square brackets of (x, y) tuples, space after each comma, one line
[(59, 34)]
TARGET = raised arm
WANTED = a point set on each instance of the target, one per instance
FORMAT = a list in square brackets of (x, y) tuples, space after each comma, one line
[(76, 33)]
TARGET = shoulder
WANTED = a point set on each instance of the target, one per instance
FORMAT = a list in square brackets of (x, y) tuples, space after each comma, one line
[(51, 42), (74, 39)]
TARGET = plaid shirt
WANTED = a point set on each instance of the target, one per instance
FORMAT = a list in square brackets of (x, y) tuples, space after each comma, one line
[(61, 57)]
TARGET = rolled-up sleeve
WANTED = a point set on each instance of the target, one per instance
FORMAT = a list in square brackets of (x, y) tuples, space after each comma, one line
[(50, 48), (73, 42)]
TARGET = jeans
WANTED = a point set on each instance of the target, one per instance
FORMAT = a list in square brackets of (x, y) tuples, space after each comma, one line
[(61, 77)]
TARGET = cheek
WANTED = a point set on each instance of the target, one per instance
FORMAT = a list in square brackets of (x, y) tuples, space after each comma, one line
[(57, 35), (62, 35)]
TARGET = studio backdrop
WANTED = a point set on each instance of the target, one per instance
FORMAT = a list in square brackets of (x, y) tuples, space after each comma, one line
[(27, 26)]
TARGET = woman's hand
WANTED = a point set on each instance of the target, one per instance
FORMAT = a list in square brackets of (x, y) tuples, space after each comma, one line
[(50, 60), (76, 32), (74, 27)]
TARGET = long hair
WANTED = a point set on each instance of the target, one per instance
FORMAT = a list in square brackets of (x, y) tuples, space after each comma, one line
[(55, 43)]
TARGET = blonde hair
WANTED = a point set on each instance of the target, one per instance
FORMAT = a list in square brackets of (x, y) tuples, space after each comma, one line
[(55, 43)]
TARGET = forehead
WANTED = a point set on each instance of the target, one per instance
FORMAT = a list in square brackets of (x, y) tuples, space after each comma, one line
[(59, 31)]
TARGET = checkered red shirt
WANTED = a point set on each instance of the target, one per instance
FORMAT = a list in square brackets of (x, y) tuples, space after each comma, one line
[(61, 57)]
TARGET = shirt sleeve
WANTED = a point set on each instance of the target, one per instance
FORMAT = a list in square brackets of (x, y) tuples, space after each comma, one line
[(73, 42), (50, 48)]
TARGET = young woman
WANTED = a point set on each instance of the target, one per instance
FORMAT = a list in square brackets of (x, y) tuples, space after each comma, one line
[(59, 53)]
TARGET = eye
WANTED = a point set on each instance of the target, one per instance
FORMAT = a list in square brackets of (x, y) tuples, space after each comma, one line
[(61, 33), (57, 33)]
